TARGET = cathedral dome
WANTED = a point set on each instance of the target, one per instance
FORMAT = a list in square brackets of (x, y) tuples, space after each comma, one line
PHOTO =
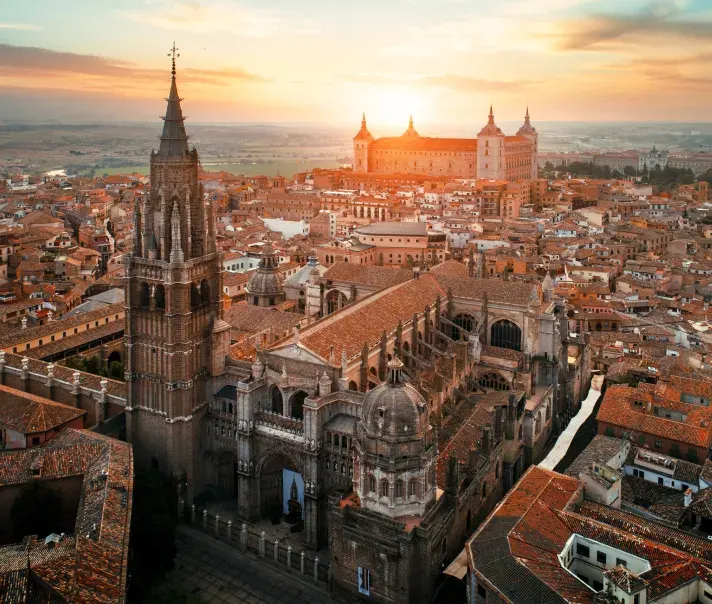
[(266, 280), (395, 409), (264, 283)]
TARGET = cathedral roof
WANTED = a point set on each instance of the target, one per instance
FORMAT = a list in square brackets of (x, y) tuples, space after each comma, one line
[(266, 280), (366, 319), (174, 140), (394, 408)]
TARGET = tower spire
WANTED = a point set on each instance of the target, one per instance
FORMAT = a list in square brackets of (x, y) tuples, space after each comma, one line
[(176, 244), (491, 116), (411, 128), (174, 140)]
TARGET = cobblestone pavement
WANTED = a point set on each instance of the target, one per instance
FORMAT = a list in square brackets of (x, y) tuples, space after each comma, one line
[(211, 571)]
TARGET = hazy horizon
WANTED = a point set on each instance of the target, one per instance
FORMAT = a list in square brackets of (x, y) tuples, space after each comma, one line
[(318, 61)]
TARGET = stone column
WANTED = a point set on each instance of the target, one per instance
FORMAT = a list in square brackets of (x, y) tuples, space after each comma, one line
[(50, 381)]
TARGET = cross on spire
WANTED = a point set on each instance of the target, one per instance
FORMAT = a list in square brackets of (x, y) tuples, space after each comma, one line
[(173, 52)]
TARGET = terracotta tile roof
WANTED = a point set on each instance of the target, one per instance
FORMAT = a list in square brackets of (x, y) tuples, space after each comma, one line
[(29, 414), (453, 275), (376, 276), (72, 341), (253, 319), (366, 320), (618, 408), (515, 551), (91, 316), (91, 565)]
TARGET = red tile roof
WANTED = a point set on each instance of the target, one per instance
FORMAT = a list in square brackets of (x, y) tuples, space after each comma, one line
[(31, 414)]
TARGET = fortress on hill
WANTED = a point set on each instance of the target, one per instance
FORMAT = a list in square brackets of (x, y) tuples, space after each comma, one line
[(492, 155)]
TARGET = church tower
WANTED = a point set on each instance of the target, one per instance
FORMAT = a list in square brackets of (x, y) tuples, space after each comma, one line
[(529, 132), (490, 151), (362, 142), (175, 337)]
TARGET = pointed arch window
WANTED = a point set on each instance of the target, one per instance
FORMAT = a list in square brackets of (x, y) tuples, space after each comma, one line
[(204, 292), (384, 488), (144, 296), (493, 381), (399, 488), (160, 297), (505, 334), (413, 488)]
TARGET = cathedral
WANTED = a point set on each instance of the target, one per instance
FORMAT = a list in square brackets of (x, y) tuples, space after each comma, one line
[(388, 424), (492, 155)]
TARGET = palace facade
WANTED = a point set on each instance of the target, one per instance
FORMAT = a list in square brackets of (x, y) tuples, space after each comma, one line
[(491, 155)]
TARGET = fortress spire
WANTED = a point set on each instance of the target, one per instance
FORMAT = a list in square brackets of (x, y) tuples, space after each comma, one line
[(411, 129), (174, 140)]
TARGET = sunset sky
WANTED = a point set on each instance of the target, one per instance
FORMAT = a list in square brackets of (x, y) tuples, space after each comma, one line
[(444, 61)]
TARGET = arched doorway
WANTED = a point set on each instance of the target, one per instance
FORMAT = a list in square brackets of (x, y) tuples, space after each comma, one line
[(276, 400), (505, 334), (335, 300), (114, 357), (226, 473), (464, 322), (493, 381), (281, 489), (298, 404)]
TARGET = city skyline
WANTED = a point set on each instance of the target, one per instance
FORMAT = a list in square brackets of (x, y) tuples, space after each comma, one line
[(443, 61)]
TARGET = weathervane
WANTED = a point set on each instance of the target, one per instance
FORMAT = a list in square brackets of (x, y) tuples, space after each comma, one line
[(174, 53)]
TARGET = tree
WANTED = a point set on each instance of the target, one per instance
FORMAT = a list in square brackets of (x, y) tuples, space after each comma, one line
[(116, 370), (548, 167), (630, 171), (93, 365), (36, 511)]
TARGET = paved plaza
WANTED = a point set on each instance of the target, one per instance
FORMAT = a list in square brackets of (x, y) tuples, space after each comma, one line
[(210, 571)]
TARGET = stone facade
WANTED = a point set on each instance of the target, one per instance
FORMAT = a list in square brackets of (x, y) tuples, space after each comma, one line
[(172, 311)]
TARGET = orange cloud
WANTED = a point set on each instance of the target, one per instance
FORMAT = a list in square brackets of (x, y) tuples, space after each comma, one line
[(30, 63)]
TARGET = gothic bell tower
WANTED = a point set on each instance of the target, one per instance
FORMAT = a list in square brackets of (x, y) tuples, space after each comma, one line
[(175, 337)]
